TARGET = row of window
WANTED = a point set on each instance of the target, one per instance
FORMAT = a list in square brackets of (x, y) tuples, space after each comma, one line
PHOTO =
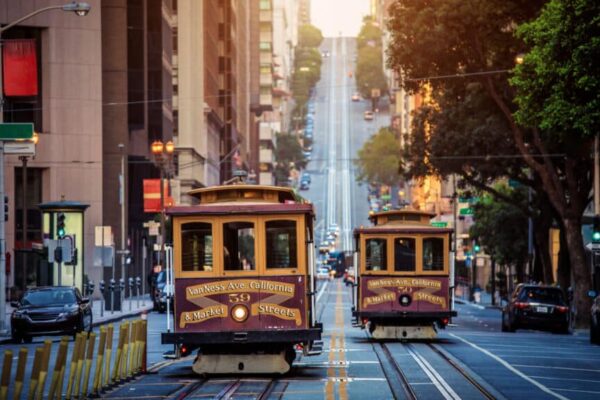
[(404, 254), (238, 240)]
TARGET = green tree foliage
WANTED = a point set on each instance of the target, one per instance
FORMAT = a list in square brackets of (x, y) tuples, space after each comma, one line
[(501, 229), (445, 38), (288, 151), (558, 83), (378, 159), (309, 36), (369, 64)]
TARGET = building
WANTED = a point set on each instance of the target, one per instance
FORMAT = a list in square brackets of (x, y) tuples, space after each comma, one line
[(303, 12), (67, 114)]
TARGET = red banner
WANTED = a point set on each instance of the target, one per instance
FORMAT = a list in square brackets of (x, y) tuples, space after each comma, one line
[(152, 195), (20, 67)]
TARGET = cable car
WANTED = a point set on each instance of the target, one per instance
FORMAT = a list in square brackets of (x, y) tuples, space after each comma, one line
[(244, 279), (403, 279)]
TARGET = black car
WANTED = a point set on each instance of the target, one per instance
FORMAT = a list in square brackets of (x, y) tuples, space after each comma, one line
[(595, 318), (536, 307), (52, 310), (161, 293)]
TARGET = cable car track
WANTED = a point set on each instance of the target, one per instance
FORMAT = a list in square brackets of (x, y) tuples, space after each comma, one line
[(403, 388), (224, 389)]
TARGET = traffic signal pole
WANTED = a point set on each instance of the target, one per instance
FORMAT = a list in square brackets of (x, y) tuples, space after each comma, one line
[(596, 176)]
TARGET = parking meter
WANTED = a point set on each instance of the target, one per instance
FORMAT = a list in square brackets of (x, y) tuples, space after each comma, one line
[(102, 287), (130, 283), (91, 286), (138, 284), (122, 292), (111, 287)]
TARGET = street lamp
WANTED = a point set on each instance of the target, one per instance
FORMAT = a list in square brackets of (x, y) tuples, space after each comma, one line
[(163, 157), (80, 9), (24, 160)]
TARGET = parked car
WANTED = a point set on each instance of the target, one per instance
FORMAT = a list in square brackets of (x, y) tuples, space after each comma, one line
[(323, 273), (334, 229), (307, 155), (51, 310), (595, 317), (368, 115), (304, 185), (537, 307), (356, 96), (306, 177)]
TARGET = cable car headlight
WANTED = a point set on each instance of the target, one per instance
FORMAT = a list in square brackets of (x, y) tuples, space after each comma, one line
[(239, 313), (405, 300)]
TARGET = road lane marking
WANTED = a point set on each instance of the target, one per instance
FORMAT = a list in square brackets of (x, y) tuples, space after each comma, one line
[(576, 390), (561, 368), (511, 368), (321, 291), (555, 378), (439, 382)]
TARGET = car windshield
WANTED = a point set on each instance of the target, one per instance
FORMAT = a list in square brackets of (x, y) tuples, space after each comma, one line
[(542, 295), (49, 297)]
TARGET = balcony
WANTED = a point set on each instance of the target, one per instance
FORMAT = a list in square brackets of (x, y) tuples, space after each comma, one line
[(266, 79), (266, 16), (265, 132), (266, 99)]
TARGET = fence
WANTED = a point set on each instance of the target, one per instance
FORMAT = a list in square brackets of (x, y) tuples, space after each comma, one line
[(89, 372)]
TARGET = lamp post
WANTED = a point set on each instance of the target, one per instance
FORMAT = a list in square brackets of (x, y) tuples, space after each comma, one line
[(163, 156), (24, 160), (80, 9)]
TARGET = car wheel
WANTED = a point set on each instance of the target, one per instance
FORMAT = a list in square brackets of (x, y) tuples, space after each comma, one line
[(27, 339), (88, 323), (595, 334), (16, 337)]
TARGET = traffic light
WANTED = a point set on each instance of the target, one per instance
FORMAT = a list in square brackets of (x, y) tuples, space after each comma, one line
[(5, 208), (596, 229), (476, 248), (60, 225)]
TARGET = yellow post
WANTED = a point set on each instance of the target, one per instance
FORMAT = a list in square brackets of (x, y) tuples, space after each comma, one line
[(109, 345), (115, 374), (80, 358), (88, 364), (20, 377), (6, 369), (74, 358), (59, 364), (144, 345), (134, 347), (99, 361), (44, 369), (35, 372), (63, 367), (125, 353)]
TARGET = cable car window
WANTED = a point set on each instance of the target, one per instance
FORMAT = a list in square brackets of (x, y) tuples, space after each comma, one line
[(404, 254), (281, 244), (238, 246), (197, 247), (376, 254), (433, 254)]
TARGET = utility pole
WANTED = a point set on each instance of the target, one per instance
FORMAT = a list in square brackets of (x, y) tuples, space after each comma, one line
[(122, 199)]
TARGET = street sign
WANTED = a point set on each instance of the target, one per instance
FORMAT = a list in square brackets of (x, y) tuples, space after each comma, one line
[(12, 131), (21, 147), (439, 224), (65, 247), (103, 256), (466, 211)]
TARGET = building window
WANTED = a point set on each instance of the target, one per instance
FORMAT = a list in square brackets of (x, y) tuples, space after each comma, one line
[(265, 5), (376, 254), (265, 69), (265, 46), (197, 247)]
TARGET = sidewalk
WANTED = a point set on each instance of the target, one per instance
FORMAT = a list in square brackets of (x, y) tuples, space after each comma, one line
[(130, 308), (485, 299)]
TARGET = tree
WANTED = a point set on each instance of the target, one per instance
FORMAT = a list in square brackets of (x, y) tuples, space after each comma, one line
[(288, 150), (309, 36), (475, 37), (369, 35), (502, 229), (369, 71), (378, 159)]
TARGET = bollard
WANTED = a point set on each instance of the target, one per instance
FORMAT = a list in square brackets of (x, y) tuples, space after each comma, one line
[(99, 362), (74, 358), (88, 364), (59, 365), (20, 377), (125, 354), (138, 330), (63, 369), (44, 369), (80, 360), (35, 372), (115, 374), (108, 354), (144, 345), (134, 349), (6, 369)]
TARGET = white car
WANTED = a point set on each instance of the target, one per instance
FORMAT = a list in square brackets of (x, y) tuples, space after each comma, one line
[(322, 273), (334, 229)]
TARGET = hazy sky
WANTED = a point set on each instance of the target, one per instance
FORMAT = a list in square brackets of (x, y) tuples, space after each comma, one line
[(335, 16)]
